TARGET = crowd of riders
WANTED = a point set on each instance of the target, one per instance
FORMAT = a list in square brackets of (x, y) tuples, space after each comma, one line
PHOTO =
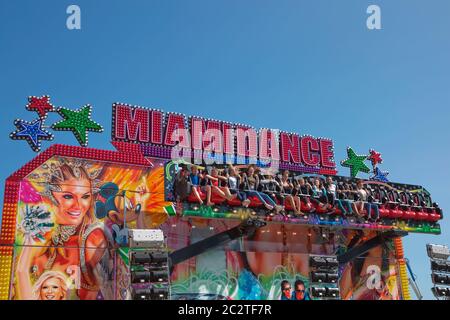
[(293, 194)]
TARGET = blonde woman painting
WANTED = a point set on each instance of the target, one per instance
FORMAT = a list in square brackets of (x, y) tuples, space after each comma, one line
[(75, 241)]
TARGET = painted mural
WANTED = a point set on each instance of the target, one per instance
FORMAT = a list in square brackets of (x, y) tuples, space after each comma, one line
[(273, 264), (72, 215)]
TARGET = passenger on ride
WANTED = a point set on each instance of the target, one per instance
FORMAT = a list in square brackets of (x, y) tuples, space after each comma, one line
[(251, 181), (363, 202), (336, 197), (304, 190), (345, 199), (235, 183), (270, 186), (289, 192), (273, 189), (320, 195), (351, 193), (213, 180), (181, 186), (196, 180)]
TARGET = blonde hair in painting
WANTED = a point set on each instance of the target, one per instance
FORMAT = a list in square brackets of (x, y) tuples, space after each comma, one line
[(46, 276)]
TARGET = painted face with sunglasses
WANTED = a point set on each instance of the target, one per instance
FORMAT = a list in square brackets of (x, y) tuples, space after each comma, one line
[(300, 291), (285, 290)]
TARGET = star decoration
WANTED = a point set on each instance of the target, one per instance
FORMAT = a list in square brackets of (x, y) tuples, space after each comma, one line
[(379, 175), (375, 157), (41, 105), (32, 132), (355, 163), (79, 122)]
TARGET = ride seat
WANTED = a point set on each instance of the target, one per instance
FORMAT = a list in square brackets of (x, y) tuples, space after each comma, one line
[(192, 197)]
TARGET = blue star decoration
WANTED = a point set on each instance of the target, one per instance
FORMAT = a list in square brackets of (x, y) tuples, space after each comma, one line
[(379, 175), (32, 132)]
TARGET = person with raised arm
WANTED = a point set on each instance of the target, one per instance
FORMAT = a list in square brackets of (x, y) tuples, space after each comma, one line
[(251, 181), (290, 192), (304, 192), (214, 180), (196, 178), (320, 195), (363, 202), (234, 185)]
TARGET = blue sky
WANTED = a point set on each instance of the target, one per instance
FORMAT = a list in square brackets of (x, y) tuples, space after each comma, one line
[(306, 66)]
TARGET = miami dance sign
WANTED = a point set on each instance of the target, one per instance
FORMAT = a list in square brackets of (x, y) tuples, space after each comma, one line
[(207, 141)]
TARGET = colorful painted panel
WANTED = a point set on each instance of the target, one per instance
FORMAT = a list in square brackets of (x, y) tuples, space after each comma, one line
[(72, 214), (259, 266)]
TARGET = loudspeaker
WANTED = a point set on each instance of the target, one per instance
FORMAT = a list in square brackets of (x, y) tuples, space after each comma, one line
[(439, 278), (332, 262), (317, 262), (318, 277), (318, 292), (441, 291), (332, 277), (332, 292)]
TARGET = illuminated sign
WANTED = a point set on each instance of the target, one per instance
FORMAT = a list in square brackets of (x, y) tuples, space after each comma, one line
[(171, 135)]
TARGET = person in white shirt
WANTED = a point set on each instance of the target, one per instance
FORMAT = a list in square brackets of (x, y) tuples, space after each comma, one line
[(371, 208)]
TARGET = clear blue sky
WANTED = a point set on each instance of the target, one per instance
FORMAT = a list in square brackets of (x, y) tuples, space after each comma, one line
[(297, 65)]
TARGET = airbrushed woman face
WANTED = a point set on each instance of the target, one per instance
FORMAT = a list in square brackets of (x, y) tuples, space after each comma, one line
[(74, 201), (51, 290)]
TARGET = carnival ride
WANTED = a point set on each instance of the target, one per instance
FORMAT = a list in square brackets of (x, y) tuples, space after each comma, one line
[(69, 212)]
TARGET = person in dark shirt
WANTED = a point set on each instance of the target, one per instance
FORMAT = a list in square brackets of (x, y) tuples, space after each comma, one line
[(343, 201), (304, 192), (181, 186), (251, 180), (195, 179), (289, 192), (235, 183), (320, 195)]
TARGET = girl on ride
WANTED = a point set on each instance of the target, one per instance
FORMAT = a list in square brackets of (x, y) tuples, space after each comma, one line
[(234, 184), (289, 192), (343, 201), (304, 191), (320, 195), (363, 202), (214, 181), (271, 187), (334, 197), (195, 179), (251, 181)]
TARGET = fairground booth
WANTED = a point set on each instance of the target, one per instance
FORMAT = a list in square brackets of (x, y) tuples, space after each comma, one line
[(192, 208)]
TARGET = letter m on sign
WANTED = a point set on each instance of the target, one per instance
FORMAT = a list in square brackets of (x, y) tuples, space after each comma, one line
[(131, 124)]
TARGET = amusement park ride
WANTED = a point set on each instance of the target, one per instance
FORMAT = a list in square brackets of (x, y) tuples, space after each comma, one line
[(193, 208)]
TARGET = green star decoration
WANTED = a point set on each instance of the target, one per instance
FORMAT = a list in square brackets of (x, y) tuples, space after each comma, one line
[(79, 122), (355, 163)]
